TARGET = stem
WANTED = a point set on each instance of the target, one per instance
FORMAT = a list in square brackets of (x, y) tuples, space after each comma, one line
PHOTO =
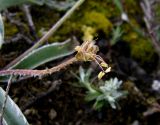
[(6, 96), (150, 24), (29, 72), (48, 34), (26, 10)]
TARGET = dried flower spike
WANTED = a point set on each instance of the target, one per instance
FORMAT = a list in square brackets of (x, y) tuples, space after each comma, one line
[(88, 52)]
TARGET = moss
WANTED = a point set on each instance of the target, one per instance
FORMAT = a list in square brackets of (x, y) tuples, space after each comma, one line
[(105, 7), (98, 21), (95, 20), (132, 7), (92, 14), (10, 30), (43, 17), (141, 48)]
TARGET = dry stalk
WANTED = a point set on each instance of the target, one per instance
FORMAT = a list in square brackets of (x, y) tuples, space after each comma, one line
[(151, 25), (86, 52), (40, 73)]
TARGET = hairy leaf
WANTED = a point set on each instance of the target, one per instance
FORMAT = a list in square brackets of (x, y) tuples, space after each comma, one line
[(12, 113), (43, 55), (8, 3), (59, 5)]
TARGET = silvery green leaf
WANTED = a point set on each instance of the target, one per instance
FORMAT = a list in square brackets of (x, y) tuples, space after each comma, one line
[(92, 96), (38, 2), (112, 84), (116, 34), (110, 92), (98, 105), (43, 55), (82, 74), (4, 4), (7, 3), (59, 5), (1, 31), (12, 113)]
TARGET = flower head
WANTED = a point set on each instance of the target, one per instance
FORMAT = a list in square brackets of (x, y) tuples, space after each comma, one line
[(88, 52)]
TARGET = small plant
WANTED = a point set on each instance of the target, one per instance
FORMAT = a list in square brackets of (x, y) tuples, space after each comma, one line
[(116, 35), (7, 106), (86, 52), (106, 92)]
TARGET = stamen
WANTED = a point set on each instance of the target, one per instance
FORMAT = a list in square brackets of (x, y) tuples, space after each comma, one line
[(99, 65)]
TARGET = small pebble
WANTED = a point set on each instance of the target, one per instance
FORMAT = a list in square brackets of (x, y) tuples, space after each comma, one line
[(52, 114)]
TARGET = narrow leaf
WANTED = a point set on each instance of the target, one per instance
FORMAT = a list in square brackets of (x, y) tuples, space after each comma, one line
[(92, 96), (7, 3), (4, 4), (119, 5), (43, 55), (12, 113)]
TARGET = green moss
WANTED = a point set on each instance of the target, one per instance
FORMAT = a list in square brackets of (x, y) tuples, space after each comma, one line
[(92, 14), (132, 7), (95, 20), (105, 7), (10, 29), (142, 50), (98, 21)]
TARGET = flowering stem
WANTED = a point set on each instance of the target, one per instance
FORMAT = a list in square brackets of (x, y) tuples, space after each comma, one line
[(29, 72)]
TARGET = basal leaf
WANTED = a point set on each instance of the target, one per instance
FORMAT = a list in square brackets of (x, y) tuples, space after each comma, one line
[(12, 113), (43, 55)]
